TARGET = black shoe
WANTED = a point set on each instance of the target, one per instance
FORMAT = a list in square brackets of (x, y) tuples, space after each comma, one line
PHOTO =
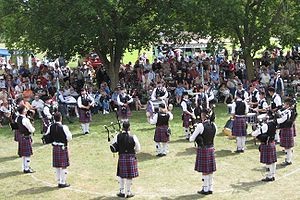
[(202, 192), (63, 185), (29, 171), (86, 133), (238, 151), (210, 192), (121, 194), (159, 155), (285, 163), (268, 179), (242, 151), (163, 154), (129, 195)]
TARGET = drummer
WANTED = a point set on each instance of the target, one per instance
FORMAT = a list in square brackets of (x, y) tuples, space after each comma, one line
[(262, 104), (254, 96), (242, 92), (159, 93), (239, 110)]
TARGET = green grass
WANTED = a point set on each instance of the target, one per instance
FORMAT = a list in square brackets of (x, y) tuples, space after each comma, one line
[(93, 167)]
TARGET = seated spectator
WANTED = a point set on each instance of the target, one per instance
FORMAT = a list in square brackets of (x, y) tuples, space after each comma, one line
[(178, 92), (27, 93), (38, 105), (5, 111), (225, 92)]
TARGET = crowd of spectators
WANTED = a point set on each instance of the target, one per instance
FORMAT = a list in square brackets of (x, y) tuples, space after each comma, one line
[(177, 72)]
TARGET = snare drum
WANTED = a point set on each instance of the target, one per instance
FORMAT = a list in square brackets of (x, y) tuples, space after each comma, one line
[(229, 107), (262, 117), (252, 118), (152, 105)]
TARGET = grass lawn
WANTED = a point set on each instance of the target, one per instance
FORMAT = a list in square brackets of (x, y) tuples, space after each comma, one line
[(93, 167)]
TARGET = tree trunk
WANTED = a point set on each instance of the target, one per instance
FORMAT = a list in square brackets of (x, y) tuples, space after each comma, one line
[(250, 66)]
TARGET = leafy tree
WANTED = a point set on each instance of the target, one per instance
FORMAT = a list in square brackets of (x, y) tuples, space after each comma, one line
[(251, 23), (65, 27)]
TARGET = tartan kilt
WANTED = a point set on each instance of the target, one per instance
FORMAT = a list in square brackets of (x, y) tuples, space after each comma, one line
[(127, 166), (25, 148), (161, 134), (286, 137), (149, 107), (85, 116), (45, 124), (60, 156), (17, 135), (294, 129), (205, 160), (239, 127), (122, 114), (186, 120), (268, 153)]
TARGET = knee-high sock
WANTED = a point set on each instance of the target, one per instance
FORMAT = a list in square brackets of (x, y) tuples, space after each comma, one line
[(269, 174), (186, 132), (87, 127), (288, 155), (122, 185), (239, 143), (243, 142), (128, 186), (23, 163), (273, 169), (83, 128), (57, 173), (210, 182), (63, 176), (158, 147), (27, 163), (164, 148), (277, 138), (205, 183)]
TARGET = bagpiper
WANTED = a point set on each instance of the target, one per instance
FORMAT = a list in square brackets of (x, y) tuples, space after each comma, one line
[(187, 114)]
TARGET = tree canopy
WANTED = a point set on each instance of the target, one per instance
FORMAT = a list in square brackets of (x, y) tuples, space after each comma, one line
[(109, 27)]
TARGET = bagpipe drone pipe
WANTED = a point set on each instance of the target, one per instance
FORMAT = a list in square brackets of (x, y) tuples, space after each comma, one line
[(113, 128)]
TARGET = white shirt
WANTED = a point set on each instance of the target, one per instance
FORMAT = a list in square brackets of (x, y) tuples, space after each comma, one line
[(284, 115), (260, 130), (46, 111), (199, 130), (206, 104), (79, 102), (38, 104), (233, 105), (66, 131), (277, 100), (121, 103), (153, 120), (26, 122), (153, 95), (137, 147)]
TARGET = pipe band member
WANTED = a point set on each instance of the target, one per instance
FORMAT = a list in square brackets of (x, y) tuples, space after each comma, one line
[(85, 102), (239, 128), (275, 105), (204, 135), (187, 114), (124, 100), (162, 131), (285, 121), (25, 141), (266, 135), (127, 145), (60, 135)]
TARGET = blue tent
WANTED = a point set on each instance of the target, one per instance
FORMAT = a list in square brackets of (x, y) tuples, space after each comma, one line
[(4, 52)]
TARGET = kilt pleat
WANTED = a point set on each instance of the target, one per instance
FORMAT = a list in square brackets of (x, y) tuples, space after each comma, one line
[(286, 137), (186, 120), (124, 114), (127, 166), (239, 127), (161, 134), (17, 135), (268, 153), (294, 130), (45, 124), (205, 160), (60, 156), (25, 147), (85, 116)]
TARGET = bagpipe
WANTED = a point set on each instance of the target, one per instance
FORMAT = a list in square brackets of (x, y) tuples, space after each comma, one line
[(113, 128)]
